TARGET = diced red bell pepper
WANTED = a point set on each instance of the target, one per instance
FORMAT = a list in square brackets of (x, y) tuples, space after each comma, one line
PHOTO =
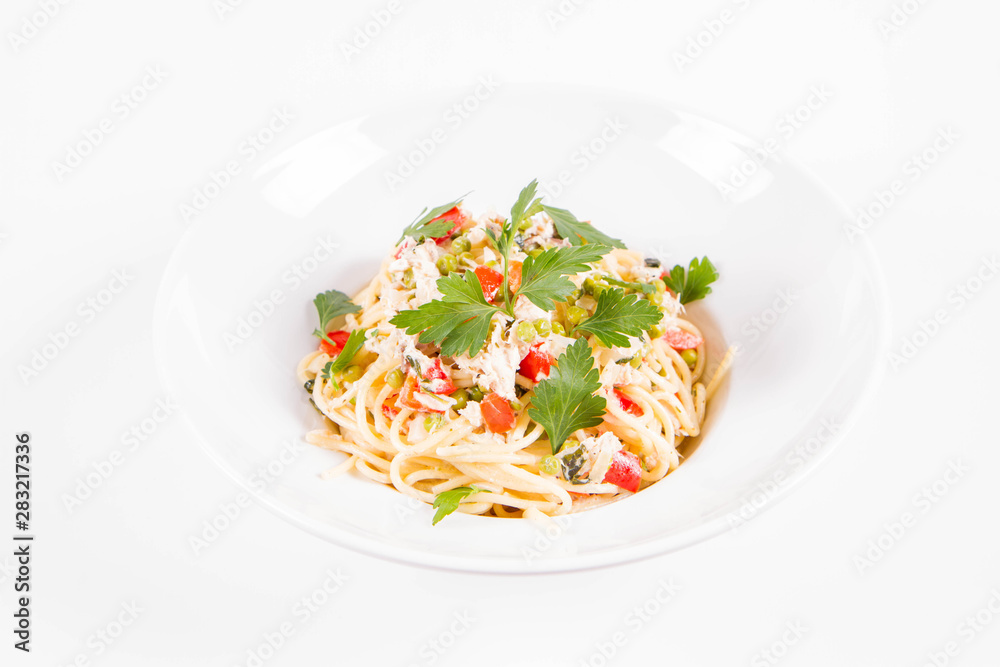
[(437, 380), (490, 281), (497, 413), (389, 408), (408, 392), (625, 471), (454, 215), (536, 364), (339, 339), (627, 404), (682, 340), (514, 275)]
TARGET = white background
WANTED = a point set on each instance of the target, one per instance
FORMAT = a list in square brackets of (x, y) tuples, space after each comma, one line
[(802, 564)]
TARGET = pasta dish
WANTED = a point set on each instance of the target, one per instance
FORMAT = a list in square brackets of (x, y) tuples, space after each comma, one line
[(511, 365)]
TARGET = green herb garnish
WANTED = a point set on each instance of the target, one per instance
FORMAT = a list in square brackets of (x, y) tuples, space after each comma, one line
[(692, 284), (565, 401)]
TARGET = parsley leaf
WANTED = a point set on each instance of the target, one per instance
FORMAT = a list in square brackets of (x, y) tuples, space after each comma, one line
[(565, 402), (619, 315), (422, 228), (526, 201), (577, 232), (330, 305), (694, 283), (447, 502), (458, 322), (354, 342), (543, 278)]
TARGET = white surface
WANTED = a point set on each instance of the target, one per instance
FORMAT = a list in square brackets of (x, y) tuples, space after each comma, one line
[(225, 77)]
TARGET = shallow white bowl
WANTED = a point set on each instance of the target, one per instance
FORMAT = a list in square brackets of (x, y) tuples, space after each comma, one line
[(235, 310)]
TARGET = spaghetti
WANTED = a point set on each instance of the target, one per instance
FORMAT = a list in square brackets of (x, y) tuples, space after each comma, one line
[(409, 416)]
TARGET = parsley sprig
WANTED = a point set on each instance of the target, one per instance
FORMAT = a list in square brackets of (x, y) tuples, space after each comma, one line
[(618, 316), (565, 401), (354, 342), (694, 283), (331, 305), (459, 322), (426, 227), (577, 232), (447, 502)]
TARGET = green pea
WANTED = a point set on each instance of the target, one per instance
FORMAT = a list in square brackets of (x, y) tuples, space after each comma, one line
[(599, 290), (447, 263), (467, 257), (461, 244), (493, 265), (549, 465), (635, 361), (690, 357), (353, 373), (433, 423), (660, 286), (475, 394), (516, 405), (394, 378), (526, 332), (461, 399), (543, 327), (408, 281), (656, 331), (574, 314), (569, 444), (558, 328), (575, 295), (588, 286), (656, 298), (524, 224)]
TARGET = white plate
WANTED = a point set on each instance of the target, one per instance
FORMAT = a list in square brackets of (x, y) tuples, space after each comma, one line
[(254, 257)]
